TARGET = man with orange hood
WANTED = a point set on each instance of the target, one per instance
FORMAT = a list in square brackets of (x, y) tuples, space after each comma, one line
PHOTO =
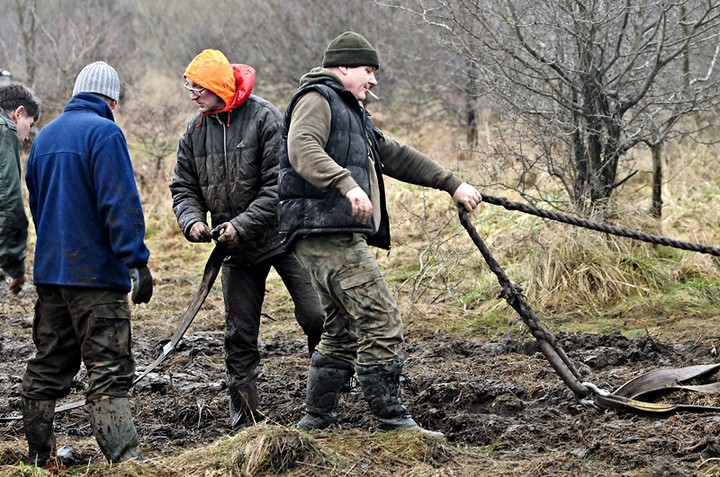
[(227, 166)]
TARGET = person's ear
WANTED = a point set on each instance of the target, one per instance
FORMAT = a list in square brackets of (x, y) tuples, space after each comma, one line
[(17, 113), (112, 104)]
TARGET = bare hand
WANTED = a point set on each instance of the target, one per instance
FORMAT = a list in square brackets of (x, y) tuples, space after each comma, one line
[(467, 196), (16, 284), (199, 232), (362, 208), (226, 234)]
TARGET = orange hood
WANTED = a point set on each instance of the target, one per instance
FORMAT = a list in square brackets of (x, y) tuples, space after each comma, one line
[(232, 83)]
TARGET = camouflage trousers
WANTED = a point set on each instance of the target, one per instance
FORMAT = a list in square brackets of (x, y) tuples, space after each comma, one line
[(362, 320), (74, 325)]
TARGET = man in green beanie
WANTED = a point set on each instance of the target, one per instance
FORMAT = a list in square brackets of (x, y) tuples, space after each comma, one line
[(332, 207)]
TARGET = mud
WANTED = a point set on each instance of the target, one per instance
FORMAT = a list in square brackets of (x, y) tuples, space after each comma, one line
[(502, 394)]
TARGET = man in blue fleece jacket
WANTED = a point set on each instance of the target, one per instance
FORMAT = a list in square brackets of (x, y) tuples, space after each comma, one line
[(90, 248)]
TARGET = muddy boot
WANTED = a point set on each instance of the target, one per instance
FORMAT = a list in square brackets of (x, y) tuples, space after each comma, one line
[(38, 416), (381, 386), (326, 379), (244, 402), (114, 430)]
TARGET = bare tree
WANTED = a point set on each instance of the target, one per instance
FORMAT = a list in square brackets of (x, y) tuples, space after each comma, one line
[(281, 40), (58, 37), (582, 83)]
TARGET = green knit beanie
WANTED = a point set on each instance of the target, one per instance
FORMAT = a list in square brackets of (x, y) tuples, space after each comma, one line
[(350, 49)]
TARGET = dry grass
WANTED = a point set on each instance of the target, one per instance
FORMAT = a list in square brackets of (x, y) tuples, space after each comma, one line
[(579, 279), (264, 451)]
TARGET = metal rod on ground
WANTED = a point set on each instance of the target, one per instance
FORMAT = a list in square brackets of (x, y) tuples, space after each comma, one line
[(210, 273)]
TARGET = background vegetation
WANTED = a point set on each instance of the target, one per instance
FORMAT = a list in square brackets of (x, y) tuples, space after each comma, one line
[(493, 91)]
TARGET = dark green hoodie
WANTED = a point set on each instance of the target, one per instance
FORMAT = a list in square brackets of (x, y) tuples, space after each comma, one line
[(13, 221)]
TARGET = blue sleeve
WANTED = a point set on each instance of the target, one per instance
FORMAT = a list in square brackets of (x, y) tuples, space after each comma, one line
[(118, 201)]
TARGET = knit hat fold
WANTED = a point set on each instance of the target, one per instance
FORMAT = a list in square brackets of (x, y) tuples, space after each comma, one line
[(100, 78), (350, 49)]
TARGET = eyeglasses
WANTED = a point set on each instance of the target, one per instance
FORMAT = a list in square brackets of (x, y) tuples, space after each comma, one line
[(195, 90)]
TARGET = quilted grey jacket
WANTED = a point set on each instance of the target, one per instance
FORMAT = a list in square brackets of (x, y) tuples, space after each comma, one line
[(227, 166)]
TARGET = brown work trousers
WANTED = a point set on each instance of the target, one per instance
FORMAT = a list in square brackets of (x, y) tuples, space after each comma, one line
[(74, 324), (362, 321)]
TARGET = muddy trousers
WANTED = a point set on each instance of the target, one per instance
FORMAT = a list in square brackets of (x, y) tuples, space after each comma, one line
[(244, 294), (381, 387), (327, 378), (38, 417)]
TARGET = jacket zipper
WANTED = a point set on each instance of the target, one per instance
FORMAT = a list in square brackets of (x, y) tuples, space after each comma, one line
[(227, 168)]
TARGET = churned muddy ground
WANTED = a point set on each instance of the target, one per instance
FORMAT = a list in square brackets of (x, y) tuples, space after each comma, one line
[(501, 396)]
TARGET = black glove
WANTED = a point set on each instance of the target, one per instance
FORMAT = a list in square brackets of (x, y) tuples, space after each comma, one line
[(142, 285)]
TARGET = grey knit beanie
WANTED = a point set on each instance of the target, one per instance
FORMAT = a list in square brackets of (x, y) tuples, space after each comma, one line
[(98, 77), (350, 49)]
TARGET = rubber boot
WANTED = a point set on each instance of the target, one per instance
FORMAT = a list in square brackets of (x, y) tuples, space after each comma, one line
[(38, 417), (114, 430), (381, 386), (244, 402), (326, 379)]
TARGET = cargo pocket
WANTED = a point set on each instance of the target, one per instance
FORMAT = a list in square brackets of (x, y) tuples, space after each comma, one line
[(365, 294), (108, 349)]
